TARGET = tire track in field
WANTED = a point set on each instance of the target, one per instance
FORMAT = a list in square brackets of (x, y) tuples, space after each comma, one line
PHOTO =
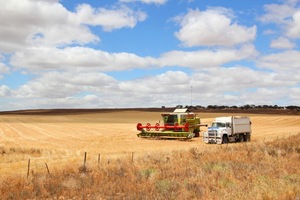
[(56, 136), (19, 133), (270, 127), (41, 131)]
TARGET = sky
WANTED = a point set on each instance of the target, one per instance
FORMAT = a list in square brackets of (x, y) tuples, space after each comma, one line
[(148, 53)]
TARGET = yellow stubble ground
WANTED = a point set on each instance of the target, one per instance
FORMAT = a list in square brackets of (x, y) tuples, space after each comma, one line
[(61, 139)]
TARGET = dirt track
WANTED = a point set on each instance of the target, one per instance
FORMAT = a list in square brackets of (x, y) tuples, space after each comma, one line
[(57, 138)]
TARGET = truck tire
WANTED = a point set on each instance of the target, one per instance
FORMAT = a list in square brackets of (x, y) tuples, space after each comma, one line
[(247, 137), (241, 137), (224, 139)]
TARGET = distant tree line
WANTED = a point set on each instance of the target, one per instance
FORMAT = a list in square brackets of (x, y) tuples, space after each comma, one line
[(244, 107)]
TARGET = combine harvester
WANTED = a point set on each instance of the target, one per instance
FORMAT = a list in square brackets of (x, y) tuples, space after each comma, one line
[(181, 124)]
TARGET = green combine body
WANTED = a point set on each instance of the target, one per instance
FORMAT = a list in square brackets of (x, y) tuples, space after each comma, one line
[(177, 125)]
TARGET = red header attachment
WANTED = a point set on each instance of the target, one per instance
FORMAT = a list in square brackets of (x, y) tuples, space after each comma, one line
[(157, 126)]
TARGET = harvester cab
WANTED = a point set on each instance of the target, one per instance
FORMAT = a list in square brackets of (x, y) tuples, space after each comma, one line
[(181, 124)]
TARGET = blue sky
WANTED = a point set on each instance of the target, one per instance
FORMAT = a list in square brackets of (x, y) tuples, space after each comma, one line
[(148, 53)]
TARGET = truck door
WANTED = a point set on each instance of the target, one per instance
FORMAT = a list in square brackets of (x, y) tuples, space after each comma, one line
[(228, 128)]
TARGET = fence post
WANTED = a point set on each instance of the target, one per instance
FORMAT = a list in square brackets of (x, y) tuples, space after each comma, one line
[(99, 160), (84, 161), (47, 168), (28, 168), (132, 156)]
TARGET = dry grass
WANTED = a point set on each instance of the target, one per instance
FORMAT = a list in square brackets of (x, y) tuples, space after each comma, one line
[(260, 170), (266, 168)]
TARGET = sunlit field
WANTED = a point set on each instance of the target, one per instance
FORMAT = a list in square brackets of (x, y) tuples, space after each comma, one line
[(42, 156)]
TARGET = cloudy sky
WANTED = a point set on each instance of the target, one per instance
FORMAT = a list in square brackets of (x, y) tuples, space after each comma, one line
[(148, 53)]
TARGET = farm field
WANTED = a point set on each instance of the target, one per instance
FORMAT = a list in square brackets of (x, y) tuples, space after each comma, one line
[(63, 138), (41, 157)]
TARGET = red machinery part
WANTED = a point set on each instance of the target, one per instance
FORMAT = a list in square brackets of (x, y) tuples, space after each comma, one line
[(157, 126)]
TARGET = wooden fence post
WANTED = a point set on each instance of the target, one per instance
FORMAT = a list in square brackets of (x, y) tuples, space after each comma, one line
[(99, 160), (28, 168), (132, 157), (47, 168), (84, 161)]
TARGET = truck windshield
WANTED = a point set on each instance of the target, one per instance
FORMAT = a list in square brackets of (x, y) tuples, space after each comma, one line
[(218, 124)]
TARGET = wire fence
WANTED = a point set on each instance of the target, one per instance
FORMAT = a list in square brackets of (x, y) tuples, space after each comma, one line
[(83, 162)]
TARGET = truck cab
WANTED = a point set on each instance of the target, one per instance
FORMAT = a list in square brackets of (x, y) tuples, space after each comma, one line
[(228, 129)]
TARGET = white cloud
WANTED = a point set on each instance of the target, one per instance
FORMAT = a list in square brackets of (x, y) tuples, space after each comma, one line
[(4, 91), (65, 84), (294, 95), (25, 23), (205, 58), (213, 27), (277, 13), (282, 43), (286, 61), (294, 26), (109, 19), (286, 15), (43, 38), (77, 57), (37, 59), (227, 86), (35, 23), (3, 69), (145, 1)]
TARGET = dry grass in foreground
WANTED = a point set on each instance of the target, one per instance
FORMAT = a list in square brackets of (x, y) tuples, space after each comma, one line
[(236, 171)]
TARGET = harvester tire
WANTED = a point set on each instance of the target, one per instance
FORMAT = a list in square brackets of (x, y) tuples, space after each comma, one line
[(196, 133)]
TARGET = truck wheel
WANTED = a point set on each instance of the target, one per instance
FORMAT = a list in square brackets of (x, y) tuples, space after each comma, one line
[(224, 139), (241, 138), (248, 137)]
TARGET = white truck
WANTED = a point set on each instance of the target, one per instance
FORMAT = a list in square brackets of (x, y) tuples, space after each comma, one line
[(228, 129)]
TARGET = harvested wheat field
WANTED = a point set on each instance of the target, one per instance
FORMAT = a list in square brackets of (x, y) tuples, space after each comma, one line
[(60, 138), (41, 157)]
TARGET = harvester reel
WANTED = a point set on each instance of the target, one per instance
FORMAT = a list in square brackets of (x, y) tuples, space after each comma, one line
[(186, 127), (157, 126), (176, 126), (148, 126)]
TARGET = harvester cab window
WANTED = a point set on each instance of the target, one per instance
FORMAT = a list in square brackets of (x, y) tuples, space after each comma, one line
[(183, 119), (171, 119)]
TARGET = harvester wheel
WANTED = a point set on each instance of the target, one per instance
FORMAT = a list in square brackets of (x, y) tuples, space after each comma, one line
[(196, 131)]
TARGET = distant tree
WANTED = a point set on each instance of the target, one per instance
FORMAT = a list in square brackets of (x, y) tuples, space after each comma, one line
[(293, 107), (221, 107), (247, 106), (200, 107), (212, 107)]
